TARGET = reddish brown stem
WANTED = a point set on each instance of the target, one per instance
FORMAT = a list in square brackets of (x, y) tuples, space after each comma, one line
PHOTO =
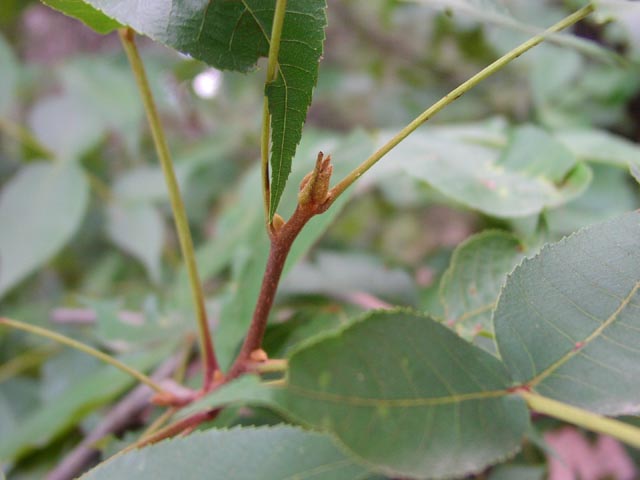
[(312, 200), (186, 424)]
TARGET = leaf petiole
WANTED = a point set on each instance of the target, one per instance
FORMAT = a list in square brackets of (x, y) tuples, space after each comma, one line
[(582, 418), (177, 206), (70, 342)]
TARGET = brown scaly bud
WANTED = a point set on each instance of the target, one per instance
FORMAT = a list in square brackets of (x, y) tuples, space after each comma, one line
[(258, 355), (315, 185), (277, 223)]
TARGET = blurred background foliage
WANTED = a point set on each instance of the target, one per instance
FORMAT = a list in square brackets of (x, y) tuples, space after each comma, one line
[(87, 245)]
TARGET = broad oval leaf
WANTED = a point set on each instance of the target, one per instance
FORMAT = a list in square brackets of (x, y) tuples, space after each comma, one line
[(471, 285), (40, 209), (138, 230), (68, 140), (234, 35), (476, 176), (265, 453), (408, 396), (567, 323)]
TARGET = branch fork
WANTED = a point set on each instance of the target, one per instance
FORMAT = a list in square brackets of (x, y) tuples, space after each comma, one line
[(314, 198)]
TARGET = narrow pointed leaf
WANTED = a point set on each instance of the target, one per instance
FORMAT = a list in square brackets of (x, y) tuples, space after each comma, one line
[(290, 94), (234, 35), (568, 324), (408, 396), (266, 453)]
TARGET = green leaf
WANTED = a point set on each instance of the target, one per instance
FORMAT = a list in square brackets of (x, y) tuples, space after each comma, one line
[(107, 91), (471, 285), (590, 144), (138, 229), (567, 322), (234, 35), (610, 194), (73, 404), (68, 140), (635, 172), (476, 176), (40, 209), (495, 12), (88, 15), (408, 396), (290, 94), (9, 77), (340, 274), (265, 453)]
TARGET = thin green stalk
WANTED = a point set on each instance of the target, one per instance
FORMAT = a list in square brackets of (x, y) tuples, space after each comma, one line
[(276, 34), (454, 95), (70, 342), (582, 418), (180, 217), (272, 73)]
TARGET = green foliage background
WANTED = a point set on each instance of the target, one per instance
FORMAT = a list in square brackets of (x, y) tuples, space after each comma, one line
[(537, 152)]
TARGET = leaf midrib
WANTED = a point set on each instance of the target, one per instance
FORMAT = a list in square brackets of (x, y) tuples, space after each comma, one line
[(395, 402), (595, 334)]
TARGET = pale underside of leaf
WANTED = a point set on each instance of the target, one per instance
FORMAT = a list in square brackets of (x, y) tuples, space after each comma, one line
[(568, 320)]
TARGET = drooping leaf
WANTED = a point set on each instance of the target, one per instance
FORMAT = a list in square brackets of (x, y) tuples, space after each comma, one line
[(476, 176), (234, 35), (407, 395), (73, 404), (40, 209), (138, 229), (84, 12), (266, 453), (470, 287), (9, 78), (567, 322)]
